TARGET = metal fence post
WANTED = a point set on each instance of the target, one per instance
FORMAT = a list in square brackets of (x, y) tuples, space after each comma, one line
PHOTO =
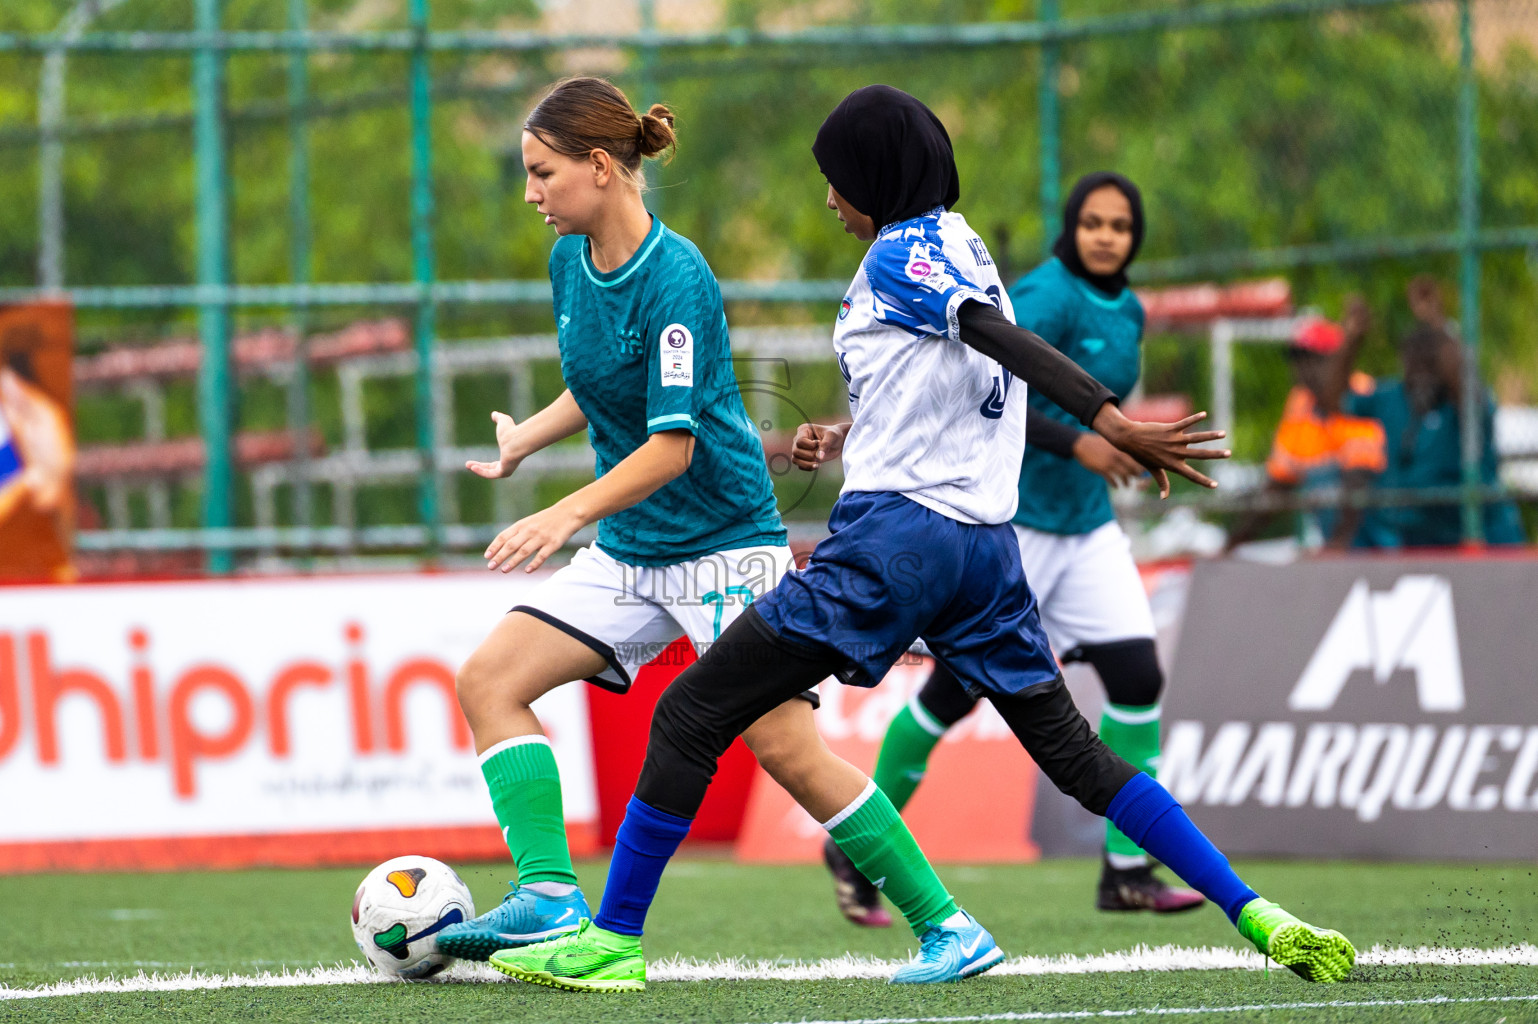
[(1469, 267), (1047, 101), (648, 10), (300, 263), (423, 272), (215, 411)]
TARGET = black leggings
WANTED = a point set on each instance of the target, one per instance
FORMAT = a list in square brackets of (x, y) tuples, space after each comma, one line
[(751, 670), (1129, 670)]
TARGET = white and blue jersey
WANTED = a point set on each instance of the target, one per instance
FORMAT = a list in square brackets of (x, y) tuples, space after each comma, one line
[(921, 543), (933, 420)]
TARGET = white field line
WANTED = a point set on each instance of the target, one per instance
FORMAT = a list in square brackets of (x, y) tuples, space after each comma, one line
[(1180, 1011), (1142, 958)]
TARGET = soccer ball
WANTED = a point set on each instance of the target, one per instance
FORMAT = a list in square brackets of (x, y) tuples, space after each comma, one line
[(399, 910)]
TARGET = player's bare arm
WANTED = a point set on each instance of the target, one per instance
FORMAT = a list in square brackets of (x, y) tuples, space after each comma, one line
[(817, 443), (517, 441), (1160, 447), (664, 457)]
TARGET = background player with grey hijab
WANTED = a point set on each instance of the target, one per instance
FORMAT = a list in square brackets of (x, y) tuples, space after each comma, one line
[(1075, 555)]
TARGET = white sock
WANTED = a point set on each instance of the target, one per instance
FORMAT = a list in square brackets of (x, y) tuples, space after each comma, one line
[(552, 889), (1126, 861), (956, 920)]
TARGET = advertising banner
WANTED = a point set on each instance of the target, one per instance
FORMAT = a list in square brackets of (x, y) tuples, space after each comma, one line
[(1376, 708), (975, 805), (294, 721), (37, 443)]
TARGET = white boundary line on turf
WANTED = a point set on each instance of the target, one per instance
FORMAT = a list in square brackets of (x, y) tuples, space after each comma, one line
[(1180, 1011), (1142, 958)]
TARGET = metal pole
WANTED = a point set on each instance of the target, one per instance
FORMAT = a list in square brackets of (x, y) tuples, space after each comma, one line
[(1222, 358), (1047, 106), (215, 389), (50, 175), (50, 150), (423, 271), (300, 262), (1469, 266), (654, 200)]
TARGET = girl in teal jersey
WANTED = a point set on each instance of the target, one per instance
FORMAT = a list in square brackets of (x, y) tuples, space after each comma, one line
[(1078, 561), (688, 533)]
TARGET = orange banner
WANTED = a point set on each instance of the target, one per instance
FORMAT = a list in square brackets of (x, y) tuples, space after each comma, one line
[(37, 443), (974, 806)]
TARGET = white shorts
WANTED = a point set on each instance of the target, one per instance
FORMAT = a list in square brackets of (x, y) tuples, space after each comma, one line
[(1087, 586), (630, 613)]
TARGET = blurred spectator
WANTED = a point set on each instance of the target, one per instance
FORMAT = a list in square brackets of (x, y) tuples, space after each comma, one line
[(1422, 424), (37, 454), (1317, 444)]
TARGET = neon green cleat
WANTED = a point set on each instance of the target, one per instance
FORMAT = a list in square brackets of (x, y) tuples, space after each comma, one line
[(590, 959), (1313, 954)]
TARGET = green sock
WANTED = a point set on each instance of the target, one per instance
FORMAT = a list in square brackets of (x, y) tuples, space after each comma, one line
[(872, 833), (526, 794), (905, 751), (1133, 732)]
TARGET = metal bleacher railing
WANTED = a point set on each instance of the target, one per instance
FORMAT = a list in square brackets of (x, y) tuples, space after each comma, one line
[(648, 56)]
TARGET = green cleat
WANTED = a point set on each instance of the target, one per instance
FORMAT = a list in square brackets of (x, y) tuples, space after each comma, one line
[(590, 959), (1313, 954)]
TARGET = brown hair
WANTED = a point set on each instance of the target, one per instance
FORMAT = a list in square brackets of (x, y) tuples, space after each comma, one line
[(580, 115)]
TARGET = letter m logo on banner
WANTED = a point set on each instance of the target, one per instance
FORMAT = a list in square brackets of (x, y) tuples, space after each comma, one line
[(1410, 627)]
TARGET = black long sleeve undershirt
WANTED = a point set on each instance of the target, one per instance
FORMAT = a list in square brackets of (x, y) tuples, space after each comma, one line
[(1028, 357), (1048, 434)]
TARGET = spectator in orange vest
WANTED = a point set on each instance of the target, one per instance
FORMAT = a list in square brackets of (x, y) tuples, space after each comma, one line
[(1317, 445)]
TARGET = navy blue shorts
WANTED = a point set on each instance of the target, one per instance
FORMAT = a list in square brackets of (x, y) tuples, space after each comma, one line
[(894, 570)]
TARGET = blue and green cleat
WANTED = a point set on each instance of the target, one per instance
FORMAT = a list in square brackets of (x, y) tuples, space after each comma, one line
[(591, 959), (950, 952), (1313, 954), (523, 917)]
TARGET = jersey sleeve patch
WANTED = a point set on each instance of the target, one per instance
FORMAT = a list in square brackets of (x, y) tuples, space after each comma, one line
[(916, 287), (677, 354)]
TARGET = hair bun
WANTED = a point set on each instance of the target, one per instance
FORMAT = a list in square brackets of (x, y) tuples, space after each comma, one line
[(656, 131)]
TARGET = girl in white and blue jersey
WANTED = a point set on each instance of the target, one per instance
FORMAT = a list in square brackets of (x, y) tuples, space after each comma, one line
[(688, 532), (1076, 556), (921, 546)]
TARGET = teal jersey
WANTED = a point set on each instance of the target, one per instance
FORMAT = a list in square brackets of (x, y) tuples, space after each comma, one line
[(644, 348), (1427, 451), (1102, 334)]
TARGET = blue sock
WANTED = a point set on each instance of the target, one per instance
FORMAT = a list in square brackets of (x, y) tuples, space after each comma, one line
[(1147, 814), (647, 839)]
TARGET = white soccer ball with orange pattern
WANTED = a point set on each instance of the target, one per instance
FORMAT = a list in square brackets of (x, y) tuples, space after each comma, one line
[(399, 910)]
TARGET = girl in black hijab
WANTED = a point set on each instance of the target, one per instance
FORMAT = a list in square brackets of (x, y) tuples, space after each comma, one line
[(1071, 242), (888, 155), (1074, 553)]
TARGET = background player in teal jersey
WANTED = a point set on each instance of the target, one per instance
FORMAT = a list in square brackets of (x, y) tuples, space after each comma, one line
[(688, 533), (1075, 555)]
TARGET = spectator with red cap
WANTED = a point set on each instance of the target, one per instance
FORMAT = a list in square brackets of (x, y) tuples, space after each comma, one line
[(1317, 444)]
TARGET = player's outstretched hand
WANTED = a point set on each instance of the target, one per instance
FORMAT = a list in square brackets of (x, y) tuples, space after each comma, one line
[(507, 457), (1098, 455), (532, 539), (1161, 447), (816, 444)]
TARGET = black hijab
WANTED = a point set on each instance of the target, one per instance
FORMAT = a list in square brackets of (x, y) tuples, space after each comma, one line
[(1066, 248), (887, 154)]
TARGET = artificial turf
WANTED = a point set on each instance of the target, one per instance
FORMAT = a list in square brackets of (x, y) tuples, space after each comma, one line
[(114, 925)]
